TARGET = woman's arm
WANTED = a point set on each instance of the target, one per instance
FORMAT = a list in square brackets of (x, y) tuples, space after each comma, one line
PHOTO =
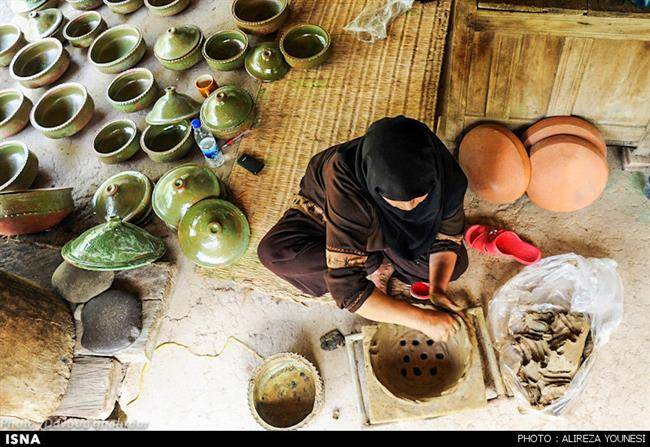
[(441, 267)]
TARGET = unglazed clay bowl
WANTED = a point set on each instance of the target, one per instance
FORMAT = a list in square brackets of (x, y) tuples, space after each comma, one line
[(34, 210), (166, 8), (40, 63), (564, 125), (226, 50), (63, 110), (305, 46), (117, 49), (14, 112), (11, 40), (85, 5), (117, 141), (133, 90), (260, 16), (167, 143), (124, 6), (18, 166), (84, 29)]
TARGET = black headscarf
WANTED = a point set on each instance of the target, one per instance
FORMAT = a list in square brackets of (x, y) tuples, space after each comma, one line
[(400, 159)]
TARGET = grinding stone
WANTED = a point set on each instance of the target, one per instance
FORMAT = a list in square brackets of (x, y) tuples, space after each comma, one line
[(77, 285), (111, 321)]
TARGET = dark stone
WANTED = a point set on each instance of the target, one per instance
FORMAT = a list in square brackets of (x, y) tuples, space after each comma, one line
[(111, 321), (332, 340), (77, 285)]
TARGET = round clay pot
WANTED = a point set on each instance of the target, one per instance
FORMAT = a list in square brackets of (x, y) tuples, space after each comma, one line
[(266, 63), (63, 110), (126, 195), (564, 125), (260, 17), (33, 210), (568, 173), (133, 90), (124, 6), (117, 141), (305, 46), (228, 111), (18, 166), (117, 49), (166, 8), (225, 50), (11, 40), (40, 63), (84, 29), (495, 162), (14, 112), (169, 142), (85, 5), (179, 48)]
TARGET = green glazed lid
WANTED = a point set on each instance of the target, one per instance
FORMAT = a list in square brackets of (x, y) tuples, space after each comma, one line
[(114, 245), (214, 233), (227, 107), (42, 24), (172, 107), (180, 188), (266, 63), (23, 6), (126, 195), (177, 42)]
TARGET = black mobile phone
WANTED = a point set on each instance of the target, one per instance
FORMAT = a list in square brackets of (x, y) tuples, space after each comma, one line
[(250, 164)]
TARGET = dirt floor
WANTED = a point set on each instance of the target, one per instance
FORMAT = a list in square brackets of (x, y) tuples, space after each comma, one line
[(193, 387)]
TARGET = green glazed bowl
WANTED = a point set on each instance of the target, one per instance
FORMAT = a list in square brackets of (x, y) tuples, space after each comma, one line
[(11, 40), (180, 188), (117, 141), (305, 46), (214, 233), (126, 195), (85, 5), (117, 49), (179, 48), (266, 63), (167, 143), (14, 112), (228, 111), (40, 63), (133, 90), (33, 210), (166, 8), (226, 50), (260, 16), (63, 110), (18, 166), (24, 7), (124, 6), (84, 29)]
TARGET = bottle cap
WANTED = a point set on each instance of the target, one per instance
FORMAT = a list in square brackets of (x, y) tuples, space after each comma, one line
[(196, 123)]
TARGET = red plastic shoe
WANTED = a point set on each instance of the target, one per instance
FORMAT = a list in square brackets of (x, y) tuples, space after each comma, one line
[(504, 243), (420, 290)]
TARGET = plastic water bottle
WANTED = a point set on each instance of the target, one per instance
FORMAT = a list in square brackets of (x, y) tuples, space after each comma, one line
[(208, 144)]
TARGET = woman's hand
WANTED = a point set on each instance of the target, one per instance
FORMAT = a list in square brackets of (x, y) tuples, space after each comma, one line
[(437, 325)]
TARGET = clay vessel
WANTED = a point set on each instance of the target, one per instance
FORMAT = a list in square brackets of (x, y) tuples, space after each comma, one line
[(133, 90), (225, 50), (24, 7), (124, 6), (260, 17), (266, 63), (117, 141), (85, 5), (305, 46), (126, 195), (168, 142), (45, 23), (117, 49), (63, 110), (11, 40), (495, 162), (166, 8), (14, 112), (40, 63), (205, 84), (228, 111), (84, 29), (173, 107), (34, 210), (18, 166), (179, 48), (568, 173), (567, 125)]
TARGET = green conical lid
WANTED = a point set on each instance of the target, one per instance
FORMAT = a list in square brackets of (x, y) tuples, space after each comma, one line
[(126, 195), (226, 107), (180, 188), (42, 24), (23, 6), (177, 42), (172, 108), (214, 233), (266, 63), (114, 245)]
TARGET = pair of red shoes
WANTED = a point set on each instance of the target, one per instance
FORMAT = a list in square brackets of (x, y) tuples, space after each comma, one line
[(503, 243)]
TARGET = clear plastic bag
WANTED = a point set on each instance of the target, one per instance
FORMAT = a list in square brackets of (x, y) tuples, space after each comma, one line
[(372, 24), (566, 283)]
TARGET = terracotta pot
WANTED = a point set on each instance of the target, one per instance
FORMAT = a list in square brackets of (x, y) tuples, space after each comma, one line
[(568, 173), (117, 49), (495, 162), (11, 40), (567, 125), (85, 5), (18, 166), (305, 46), (46, 23), (135, 89), (117, 141), (167, 143), (124, 6), (34, 210), (40, 63), (179, 48), (166, 8), (126, 195), (225, 50), (84, 29), (14, 112), (266, 63), (260, 16), (63, 110)]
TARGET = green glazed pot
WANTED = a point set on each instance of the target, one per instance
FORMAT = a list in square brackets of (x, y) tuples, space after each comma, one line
[(63, 110), (169, 142), (33, 210), (180, 188), (179, 48), (305, 46), (18, 166), (14, 112), (117, 49), (133, 90), (166, 8), (40, 63), (260, 16), (85, 5), (84, 29), (24, 7), (226, 50), (11, 40), (114, 245), (126, 195), (214, 233), (228, 111), (266, 63), (173, 107), (124, 6), (117, 141), (46, 23)]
